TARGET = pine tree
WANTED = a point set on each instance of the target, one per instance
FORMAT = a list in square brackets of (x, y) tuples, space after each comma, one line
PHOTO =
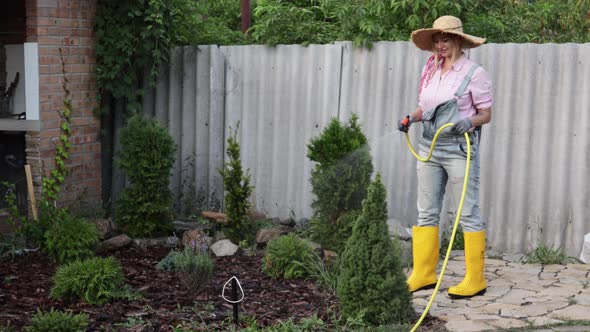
[(372, 284)]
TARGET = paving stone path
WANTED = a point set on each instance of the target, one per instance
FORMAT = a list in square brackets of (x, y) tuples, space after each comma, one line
[(518, 296)]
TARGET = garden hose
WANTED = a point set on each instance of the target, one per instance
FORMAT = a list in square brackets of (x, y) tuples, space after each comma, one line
[(459, 209)]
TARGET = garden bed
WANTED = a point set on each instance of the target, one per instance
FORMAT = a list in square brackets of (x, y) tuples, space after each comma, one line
[(25, 284)]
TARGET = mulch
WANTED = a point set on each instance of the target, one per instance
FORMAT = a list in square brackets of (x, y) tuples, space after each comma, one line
[(25, 285)]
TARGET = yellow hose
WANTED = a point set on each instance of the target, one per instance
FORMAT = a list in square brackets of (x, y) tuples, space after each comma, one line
[(459, 209)]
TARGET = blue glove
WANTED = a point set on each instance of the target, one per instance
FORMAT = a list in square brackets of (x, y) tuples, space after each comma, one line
[(461, 126), (405, 123)]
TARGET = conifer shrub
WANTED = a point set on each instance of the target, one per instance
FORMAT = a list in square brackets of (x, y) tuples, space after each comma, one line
[(147, 156), (372, 284), (96, 281), (339, 180), (288, 257), (71, 239), (57, 321), (237, 194)]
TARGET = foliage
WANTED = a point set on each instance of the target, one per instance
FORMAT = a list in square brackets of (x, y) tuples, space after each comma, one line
[(287, 257), (290, 22), (96, 281), (540, 21), (339, 180), (325, 274), (146, 30), (52, 183), (237, 193), (58, 321), (71, 239), (147, 156), (547, 255), (458, 243), (310, 324), (372, 283), (195, 267)]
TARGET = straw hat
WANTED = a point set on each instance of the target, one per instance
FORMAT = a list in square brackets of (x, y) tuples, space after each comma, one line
[(447, 24)]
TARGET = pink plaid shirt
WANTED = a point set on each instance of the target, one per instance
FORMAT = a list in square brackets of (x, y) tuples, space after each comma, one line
[(477, 95)]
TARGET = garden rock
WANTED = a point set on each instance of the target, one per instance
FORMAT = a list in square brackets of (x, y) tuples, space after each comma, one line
[(267, 234), (104, 227), (196, 239), (330, 257), (217, 217), (114, 243), (290, 222), (168, 242), (224, 248), (182, 226)]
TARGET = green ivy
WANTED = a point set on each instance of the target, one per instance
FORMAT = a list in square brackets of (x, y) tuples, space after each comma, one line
[(52, 183)]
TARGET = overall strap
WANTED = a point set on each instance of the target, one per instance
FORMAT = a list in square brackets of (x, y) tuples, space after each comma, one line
[(465, 82)]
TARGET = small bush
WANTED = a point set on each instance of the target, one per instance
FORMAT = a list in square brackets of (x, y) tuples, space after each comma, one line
[(96, 280), (237, 194), (195, 267), (168, 263), (372, 284), (339, 181), (147, 156), (71, 239), (325, 274), (57, 321), (287, 257), (547, 255)]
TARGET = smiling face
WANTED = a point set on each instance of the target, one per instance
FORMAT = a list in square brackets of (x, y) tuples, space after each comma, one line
[(447, 45)]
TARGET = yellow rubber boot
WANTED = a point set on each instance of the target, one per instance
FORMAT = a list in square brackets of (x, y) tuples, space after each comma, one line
[(474, 282), (425, 247)]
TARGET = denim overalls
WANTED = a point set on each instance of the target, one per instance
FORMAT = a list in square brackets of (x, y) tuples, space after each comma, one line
[(448, 163)]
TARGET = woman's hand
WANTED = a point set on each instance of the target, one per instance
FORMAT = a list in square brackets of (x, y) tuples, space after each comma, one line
[(462, 126)]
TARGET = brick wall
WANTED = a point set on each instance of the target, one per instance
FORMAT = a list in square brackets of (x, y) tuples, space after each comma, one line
[(66, 25)]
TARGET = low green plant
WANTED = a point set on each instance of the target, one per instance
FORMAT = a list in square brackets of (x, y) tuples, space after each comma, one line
[(71, 239), (326, 275), (311, 324), (195, 267), (57, 321), (96, 281), (458, 243), (372, 284), (287, 257), (147, 154), (238, 190), (544, 254)]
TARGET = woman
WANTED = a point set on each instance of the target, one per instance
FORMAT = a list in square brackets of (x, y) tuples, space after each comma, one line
[(452, 89)]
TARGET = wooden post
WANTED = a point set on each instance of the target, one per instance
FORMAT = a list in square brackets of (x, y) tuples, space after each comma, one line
[(31, 191), (245, 6)]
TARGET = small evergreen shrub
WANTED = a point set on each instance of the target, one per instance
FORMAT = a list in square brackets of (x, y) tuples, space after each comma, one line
[(195, 268), (339, 181), (237, 194), (372, 284), (147, 156), (71, 239), (168, 263), (96, 280), (57, 321), (288, 257)]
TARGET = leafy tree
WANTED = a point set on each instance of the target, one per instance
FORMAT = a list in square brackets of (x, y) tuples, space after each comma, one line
[(372, 284), (339, 180)]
